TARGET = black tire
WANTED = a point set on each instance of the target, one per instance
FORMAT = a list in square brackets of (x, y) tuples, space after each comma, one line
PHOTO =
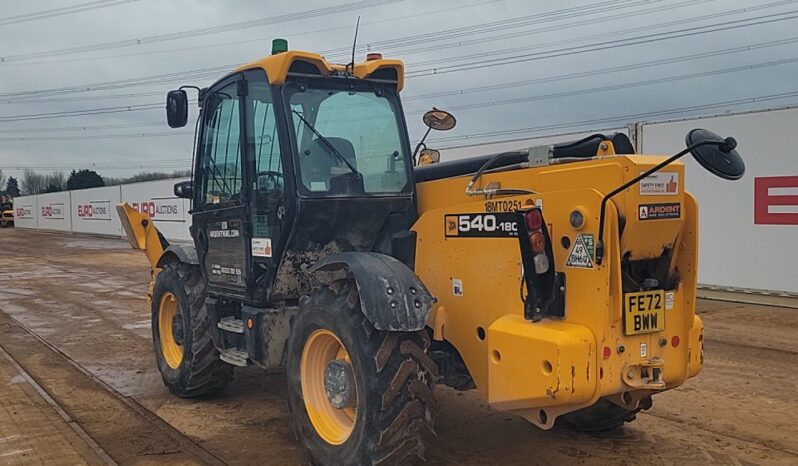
[(602, 416), (200, 372), (392, 369)]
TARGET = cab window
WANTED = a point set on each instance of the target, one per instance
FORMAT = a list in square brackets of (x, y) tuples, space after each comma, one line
[(220, 148)]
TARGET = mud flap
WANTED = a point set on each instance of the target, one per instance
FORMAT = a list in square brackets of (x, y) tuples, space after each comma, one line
[(392, 297)]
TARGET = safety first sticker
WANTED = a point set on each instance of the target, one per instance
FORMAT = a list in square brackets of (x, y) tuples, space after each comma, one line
[(261, 247), (660, 184), (582, 252)]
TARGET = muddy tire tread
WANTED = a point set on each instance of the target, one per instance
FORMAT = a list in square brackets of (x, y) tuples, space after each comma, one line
[(202, 372), (401, 400)]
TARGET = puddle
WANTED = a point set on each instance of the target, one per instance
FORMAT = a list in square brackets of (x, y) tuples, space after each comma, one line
[(141, 324)]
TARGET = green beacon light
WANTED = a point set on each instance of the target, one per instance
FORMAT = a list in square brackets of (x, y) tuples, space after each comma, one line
[(279, 46)]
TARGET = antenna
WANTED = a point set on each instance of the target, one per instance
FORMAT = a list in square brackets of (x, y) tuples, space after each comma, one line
[(354, 45)]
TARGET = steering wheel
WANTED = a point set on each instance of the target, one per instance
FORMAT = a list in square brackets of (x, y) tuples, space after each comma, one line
[(274, 180)]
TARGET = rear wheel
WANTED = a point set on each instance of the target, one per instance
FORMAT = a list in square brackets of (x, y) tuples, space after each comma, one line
[(604, 415), (187, 359), (357, 395)]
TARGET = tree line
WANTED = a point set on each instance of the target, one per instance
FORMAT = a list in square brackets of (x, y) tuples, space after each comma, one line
[(32, 182)]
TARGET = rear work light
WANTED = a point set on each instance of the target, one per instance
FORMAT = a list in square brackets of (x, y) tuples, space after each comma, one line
[(534, 220), (542, 288), (537, 240)]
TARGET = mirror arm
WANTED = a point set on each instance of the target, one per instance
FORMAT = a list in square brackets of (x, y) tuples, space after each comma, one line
[(658, 167), (420, 143)]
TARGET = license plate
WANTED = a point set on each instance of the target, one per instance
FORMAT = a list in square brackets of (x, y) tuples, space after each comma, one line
[(644, 312)]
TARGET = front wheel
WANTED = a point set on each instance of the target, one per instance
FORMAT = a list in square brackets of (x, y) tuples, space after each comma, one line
[(187, 359), (358, 395)]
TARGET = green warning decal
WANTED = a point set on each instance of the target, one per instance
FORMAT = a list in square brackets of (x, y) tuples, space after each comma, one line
[(582, 252)]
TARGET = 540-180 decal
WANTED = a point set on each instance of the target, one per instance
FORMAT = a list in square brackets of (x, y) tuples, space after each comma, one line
[(481, 225)]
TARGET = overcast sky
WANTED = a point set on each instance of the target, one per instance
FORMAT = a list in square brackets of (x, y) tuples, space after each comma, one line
[(562, 65)]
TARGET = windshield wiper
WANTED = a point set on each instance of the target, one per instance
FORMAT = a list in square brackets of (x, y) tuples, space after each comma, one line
[(326, 143)]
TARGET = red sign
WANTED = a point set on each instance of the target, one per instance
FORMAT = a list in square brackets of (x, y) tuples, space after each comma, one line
[(763, 200)]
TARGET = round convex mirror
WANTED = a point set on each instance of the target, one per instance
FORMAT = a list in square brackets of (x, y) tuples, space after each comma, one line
[(719, 159), (440, 120)]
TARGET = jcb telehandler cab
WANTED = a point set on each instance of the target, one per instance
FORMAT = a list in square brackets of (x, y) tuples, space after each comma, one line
[(559, 282)]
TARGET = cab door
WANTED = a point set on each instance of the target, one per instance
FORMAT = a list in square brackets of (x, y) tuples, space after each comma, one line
[(220, 216)]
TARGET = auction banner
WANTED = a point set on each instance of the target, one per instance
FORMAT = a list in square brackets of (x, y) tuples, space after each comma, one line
[(26, 212), (94, 211), (157, 199), (53, 211)]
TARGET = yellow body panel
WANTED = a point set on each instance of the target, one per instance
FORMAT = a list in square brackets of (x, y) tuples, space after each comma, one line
[(277, 66), (486, 312)]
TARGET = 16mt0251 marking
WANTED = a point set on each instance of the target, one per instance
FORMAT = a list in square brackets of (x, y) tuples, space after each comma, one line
[(481, 225)]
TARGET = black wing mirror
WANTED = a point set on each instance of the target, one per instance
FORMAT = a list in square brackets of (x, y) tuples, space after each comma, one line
[(716, 154), (177, 108), (184, 189)]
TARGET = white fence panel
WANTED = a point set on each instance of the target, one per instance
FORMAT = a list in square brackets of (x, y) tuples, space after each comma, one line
[(748, 228), (54, 212), (157, 198), (25, 212), (94, 211)]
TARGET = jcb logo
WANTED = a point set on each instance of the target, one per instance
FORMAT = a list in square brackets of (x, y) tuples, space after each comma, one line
[(451, 226)]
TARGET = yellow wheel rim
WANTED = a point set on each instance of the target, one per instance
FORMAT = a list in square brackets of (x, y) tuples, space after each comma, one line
[(332, 424), (171, 349)]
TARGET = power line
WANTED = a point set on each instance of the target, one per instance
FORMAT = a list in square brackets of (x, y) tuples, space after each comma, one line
[(502, 85), (636, 117), (614, 87), (99, 136), (589, 21), (237, 26), (621, 120), (612, 44), (648, 38), (459, 7), (55, 100), (569, 93), (67, 10), (79, 128), (469, 106), (92, 111), (212, 72), (603, 71)]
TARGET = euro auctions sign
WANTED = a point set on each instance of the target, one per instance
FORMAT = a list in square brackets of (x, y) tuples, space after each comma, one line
[(24, 212), (53, 211), (776, 200), (94, 210), (161, 209)]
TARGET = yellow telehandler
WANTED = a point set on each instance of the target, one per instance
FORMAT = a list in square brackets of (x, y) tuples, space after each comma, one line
[(558, 281)]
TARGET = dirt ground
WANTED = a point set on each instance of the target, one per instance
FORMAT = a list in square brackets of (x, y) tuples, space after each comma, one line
[(74, 316)]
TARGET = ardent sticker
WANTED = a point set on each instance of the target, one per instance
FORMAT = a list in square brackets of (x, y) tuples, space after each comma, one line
[(261, 247), (659, 211)]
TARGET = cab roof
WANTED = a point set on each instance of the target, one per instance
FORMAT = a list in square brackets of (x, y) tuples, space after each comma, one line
[(295, 62)]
